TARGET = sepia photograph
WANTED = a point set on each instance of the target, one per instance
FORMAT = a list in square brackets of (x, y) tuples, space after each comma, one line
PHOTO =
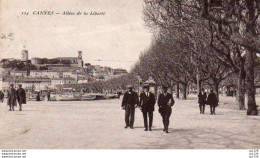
[(139, 74)]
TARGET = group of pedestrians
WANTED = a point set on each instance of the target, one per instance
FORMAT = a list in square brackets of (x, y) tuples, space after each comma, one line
[(15, 96), (210, 100), (146, 103)]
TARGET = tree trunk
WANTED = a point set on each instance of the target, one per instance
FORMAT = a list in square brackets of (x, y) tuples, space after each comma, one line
[(216, 86), (250, 85), (250, 62), (198, 82), (177, 90), (184, 91), (241, 88)]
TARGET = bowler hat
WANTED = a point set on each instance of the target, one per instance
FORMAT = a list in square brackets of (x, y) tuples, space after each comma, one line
[(164, 87)]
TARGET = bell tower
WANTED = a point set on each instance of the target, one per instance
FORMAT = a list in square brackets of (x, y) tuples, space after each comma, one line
[(80, 61), (80, 54), (24, 55)]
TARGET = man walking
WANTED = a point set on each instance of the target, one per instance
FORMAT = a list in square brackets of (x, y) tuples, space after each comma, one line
[(11, 97), (130, 100), (212, 101), (2, 96), (147, 102), (165, 103), (49, 95), (21, 96), (202, 100)]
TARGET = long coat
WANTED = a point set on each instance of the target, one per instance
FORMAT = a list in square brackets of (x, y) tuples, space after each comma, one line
[(202, 98), (165, 101), (147, 102), (21, 96), (212, 99), (1, 95), (12, 97), (130, 99)]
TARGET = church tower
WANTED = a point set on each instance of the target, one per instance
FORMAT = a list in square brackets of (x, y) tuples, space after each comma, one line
[(80, 61), (24, 56)]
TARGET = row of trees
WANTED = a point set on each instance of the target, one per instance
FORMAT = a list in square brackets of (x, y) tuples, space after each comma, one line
[(17, 64), (53, 61), (203, 42), (112, 85)]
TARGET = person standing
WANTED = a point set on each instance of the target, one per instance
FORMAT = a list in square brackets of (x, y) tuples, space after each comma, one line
[(38, 98), (165, 103), (49, 95), (21, 96), (202, 100), (129, 102), (212, 101), (12, 97), (2, 96), (147, 102)]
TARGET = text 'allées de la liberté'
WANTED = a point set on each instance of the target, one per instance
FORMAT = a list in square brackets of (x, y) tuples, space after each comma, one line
[(64, 13)]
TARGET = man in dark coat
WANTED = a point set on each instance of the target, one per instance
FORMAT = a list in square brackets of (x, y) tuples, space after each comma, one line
[(38, 97), (147, 102), (202, 100), (212, 101), (129, 102), (49, 95), (12, 96), (21, 96), (2, 96), (165, 103)]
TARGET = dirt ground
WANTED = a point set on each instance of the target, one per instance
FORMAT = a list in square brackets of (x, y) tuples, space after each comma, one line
[(100, 125)]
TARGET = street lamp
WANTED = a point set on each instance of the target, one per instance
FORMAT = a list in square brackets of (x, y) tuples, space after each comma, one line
[(152, 84), (139, 78)]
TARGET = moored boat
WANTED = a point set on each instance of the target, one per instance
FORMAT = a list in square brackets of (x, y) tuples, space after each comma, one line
[(68, 97), (86, 97)]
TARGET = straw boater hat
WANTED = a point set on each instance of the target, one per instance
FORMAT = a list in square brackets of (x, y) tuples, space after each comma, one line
[(129, 86), (146, 85)]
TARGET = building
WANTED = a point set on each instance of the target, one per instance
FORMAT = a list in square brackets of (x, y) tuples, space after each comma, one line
[(83, 79), (73, 62), (18, 73), (61, 70), (119, 72), (60, 81), (45, 73), (24, 56), (29, 84), (35, 61), (72, 74)]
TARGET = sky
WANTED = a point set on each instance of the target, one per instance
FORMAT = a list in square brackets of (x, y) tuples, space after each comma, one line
[(114, 39)]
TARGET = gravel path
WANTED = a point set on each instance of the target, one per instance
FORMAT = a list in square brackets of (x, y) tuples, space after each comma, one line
[(100, 125)]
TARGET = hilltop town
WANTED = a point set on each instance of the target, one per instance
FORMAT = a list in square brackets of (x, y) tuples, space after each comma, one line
[(37, 74)]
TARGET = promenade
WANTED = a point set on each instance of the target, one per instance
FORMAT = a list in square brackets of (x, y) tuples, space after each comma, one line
[(100, 125)]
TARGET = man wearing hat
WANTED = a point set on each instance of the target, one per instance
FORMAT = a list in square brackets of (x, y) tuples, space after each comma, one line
[(2, 96), (147, 102), (202, 99), (130, 100), (21, 96), (165, 103), (11, 97)]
